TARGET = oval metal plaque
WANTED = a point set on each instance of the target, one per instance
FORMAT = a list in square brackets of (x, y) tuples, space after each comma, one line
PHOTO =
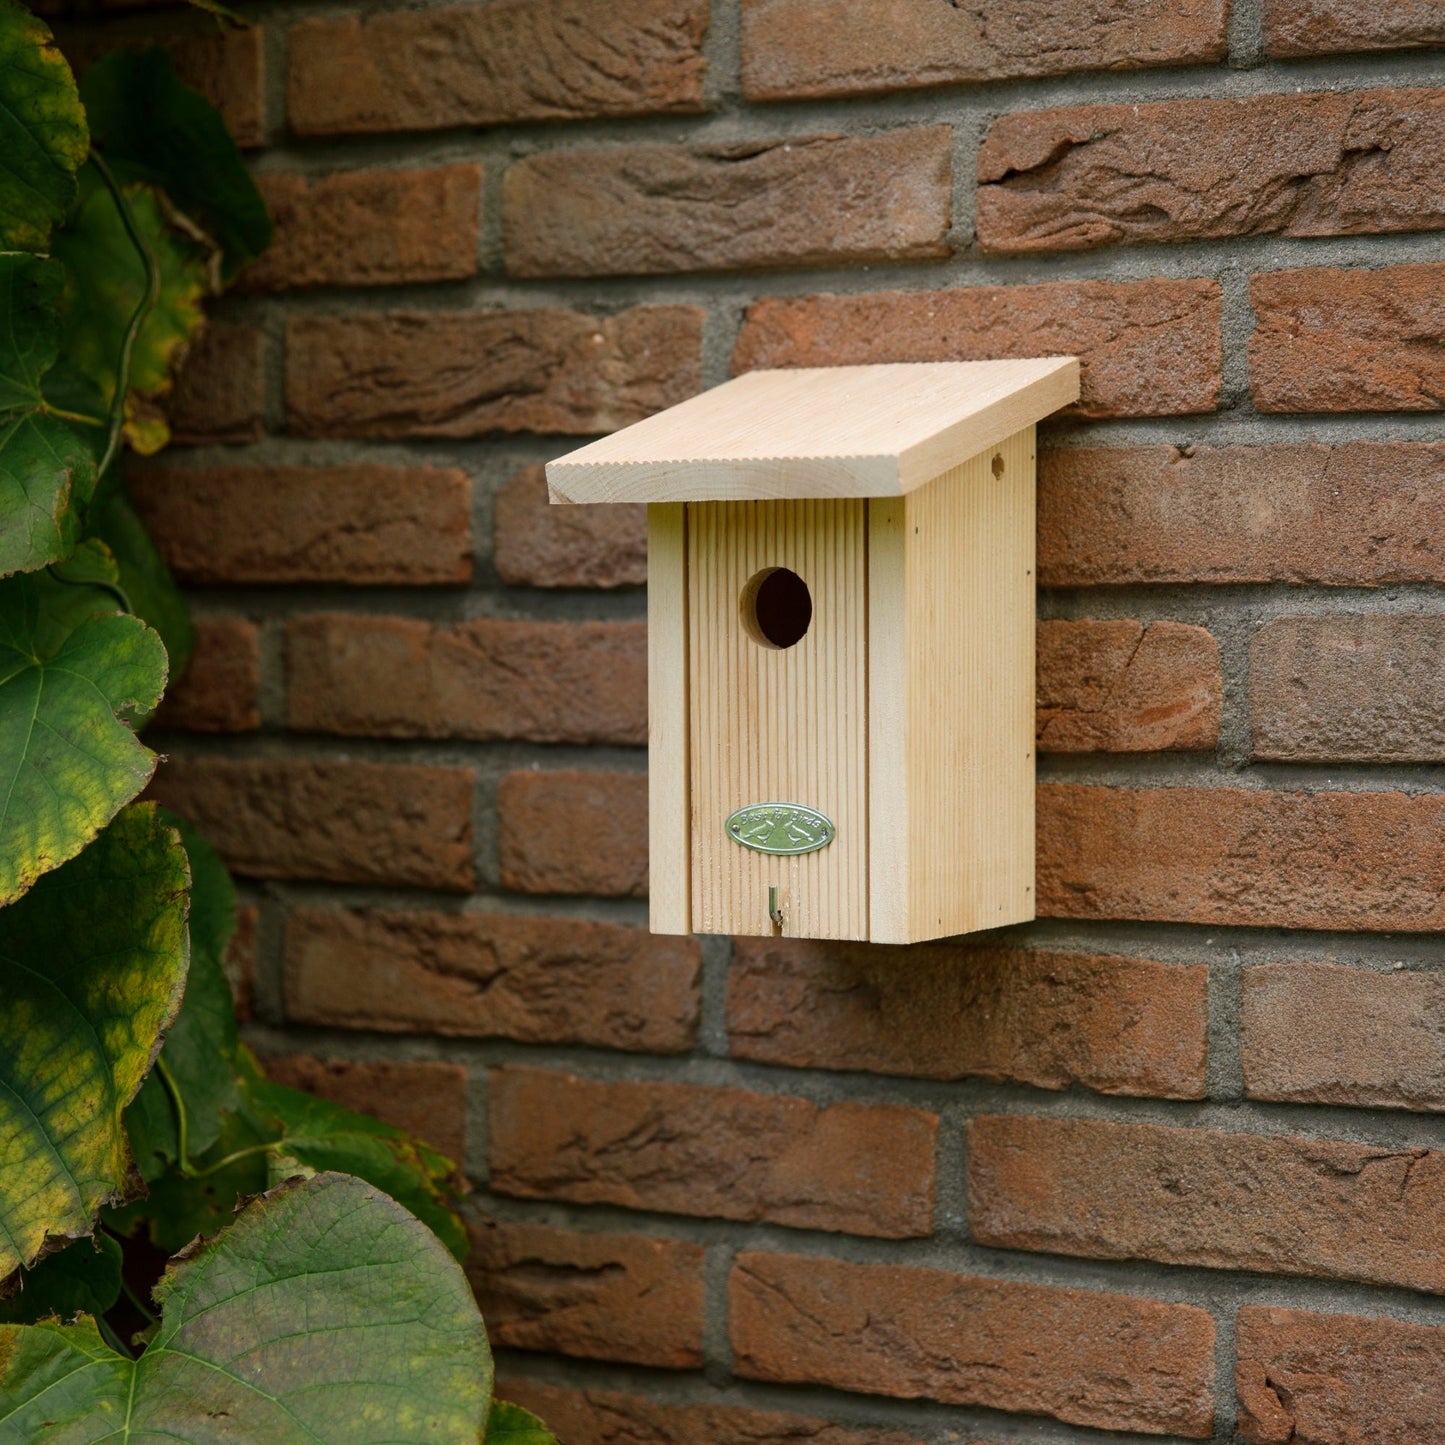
[(780, 828)]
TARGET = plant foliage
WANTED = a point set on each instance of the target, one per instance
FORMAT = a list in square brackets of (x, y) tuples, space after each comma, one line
[(135, 1301)]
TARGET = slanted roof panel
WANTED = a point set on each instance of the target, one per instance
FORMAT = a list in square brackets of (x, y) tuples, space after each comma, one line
[(843, 431)]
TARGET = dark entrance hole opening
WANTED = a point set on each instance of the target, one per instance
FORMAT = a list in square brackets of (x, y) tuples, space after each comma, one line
[(777, 607)]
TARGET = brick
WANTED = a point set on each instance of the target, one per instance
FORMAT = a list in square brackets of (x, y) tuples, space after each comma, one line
[(220, 392), (1358, 514), (378, 375), (427, 1100), (492, 975), (1148, 348), (1320, 1033), (1329, 339), (1082, 1356), (339, 822), (573, 831), (936, 1011), (601, 1296), (1337, 1379), (609, 1417), (242, 959), (1328, 164), (1325, 27), (798, 48), (517, 60), (720, 1153), (731, 204), (1127, 687), (535, 544), (218, 692), (367, 525), (1195, 1197), (1360, 689), (1362, 860), (369, 228), (402, 677)]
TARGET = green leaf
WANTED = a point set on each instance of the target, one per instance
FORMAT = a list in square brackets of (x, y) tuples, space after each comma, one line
[(92, 968), (512, 1425), (105, 281), (72, 672), (224, 11), (83, 1278), (326, 1313), (321, 1135), (161, 131), (200, 1049), (47, 464), (43, 138), (147, 581)]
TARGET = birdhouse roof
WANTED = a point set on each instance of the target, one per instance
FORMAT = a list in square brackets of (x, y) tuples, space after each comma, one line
[(841, 431)]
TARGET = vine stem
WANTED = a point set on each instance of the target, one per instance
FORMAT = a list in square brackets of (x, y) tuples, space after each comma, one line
[(150, 297), (182, 1123), (233, 1158)]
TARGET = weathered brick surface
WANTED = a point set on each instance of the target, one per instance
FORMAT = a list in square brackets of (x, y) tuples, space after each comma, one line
[(343, 822), (939, 1011), (1337, 1379), (806, 201), (218, 691), (1366, 689), (463, 374), (1088, 1358), (1370, 860), (573, 831), (519, 60), (535, 544), (364, 524), (220, 393), (1329, 339), (609, 1417), (1127, 687), (1358, 514), (1194, 1196), (1328, 164), (492, 975), (601, 1296), (1148, 348), (679, 1148), (241, 961), (370, 228), (1323, 27), (545, 682), (798, 48), (427, 1100), (1320, 1033)]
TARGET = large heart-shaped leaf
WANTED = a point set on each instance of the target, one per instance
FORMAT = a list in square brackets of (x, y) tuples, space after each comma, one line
[(326, 1314), (105, 280), (200, 1050), (152, 127), (43, 137), (47, 463), (512, 1425), (92, 968), (318, 1134), (72, 672)]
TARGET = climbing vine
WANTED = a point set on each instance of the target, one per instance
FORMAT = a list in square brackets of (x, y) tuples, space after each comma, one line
[(187, 1249)]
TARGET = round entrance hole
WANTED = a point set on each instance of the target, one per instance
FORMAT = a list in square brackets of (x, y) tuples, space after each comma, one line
[(777, 607)]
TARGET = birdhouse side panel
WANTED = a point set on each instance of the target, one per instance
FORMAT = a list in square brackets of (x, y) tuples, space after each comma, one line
[(669, 808), (778, 724)]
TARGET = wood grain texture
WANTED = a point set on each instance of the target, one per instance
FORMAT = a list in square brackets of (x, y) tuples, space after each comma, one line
[(951, 698), (669, 817), (778, 724), (840, 431)]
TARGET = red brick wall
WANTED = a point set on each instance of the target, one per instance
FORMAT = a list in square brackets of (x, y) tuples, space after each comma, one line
[(1167, 1163)]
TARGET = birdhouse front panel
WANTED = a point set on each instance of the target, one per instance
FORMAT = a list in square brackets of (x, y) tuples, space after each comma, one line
[(777, 723), (840, 646)]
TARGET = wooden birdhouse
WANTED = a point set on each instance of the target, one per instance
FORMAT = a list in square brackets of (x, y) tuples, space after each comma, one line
[(840, 570)]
